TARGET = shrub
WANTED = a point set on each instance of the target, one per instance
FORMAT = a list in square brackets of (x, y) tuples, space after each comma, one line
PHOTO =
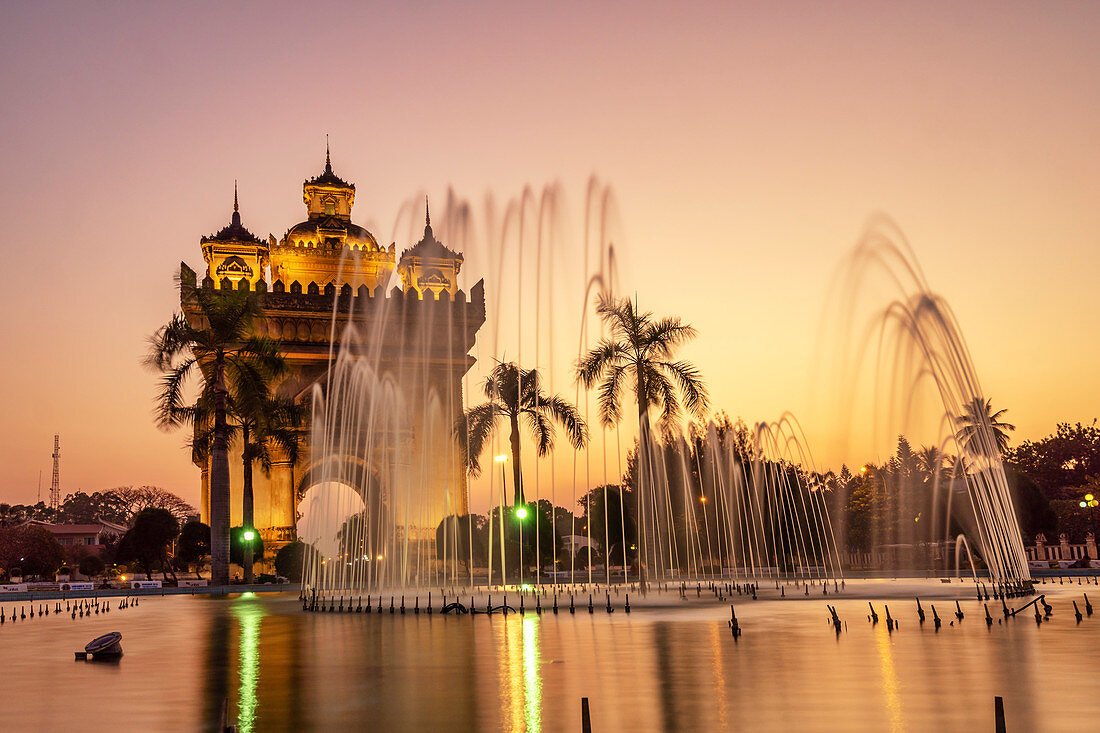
[(289, 560), (91, 566), (236, 546)]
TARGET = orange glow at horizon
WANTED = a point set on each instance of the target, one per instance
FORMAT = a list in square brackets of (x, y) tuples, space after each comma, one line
[(745, 150)]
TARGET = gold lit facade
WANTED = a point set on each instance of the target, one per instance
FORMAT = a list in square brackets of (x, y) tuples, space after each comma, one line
[(423, 327)]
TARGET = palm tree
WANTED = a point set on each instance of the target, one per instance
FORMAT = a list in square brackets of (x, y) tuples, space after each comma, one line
[(516, 394), (929, 462), (979, 423), (222, 352), (640, 349), (266, 425)]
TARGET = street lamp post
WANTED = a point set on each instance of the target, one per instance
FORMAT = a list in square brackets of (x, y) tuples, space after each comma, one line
[(1089, 504), (501, 459), (248, 536)]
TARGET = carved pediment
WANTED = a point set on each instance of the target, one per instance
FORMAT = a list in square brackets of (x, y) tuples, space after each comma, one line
[(234, 268)]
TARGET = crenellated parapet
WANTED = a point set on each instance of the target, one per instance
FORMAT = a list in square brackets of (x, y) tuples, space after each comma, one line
[(297, 313)]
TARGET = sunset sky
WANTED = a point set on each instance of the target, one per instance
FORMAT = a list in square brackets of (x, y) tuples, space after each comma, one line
[(747, 145)]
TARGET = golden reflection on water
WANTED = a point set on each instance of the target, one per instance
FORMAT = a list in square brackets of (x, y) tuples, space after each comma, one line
[(248, 618), (520, 666), (532, 689), (719, 672), (884, 644)]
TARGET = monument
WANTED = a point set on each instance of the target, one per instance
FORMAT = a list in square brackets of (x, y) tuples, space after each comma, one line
[(325, 274)]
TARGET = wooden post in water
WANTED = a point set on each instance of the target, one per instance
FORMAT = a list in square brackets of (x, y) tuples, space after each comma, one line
[(999, 714), (586, 719)]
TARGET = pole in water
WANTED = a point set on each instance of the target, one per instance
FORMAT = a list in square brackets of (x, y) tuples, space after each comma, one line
[(920, 612), (586, 718), (999, 714)]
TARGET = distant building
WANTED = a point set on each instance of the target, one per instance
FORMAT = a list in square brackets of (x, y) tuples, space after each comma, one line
[(93, 537)]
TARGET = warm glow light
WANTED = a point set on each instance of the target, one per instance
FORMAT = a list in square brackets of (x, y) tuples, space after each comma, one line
[(1088, 497), (378, 558), (863, 469), (501, 458), (703, 499), (123, 578)]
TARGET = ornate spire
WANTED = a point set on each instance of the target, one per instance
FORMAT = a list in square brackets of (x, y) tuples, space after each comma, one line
[(328, 161), (427, 216), (236, 209)]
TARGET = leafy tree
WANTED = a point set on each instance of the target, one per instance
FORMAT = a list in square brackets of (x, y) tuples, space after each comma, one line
[(221, 350), (193, 544), (614, 523), (1065, 459), (121, 504), (32, 549), (290, 559), (148, 540), (516, 394), (460, 537), (83, 508), (979, 424), (1033, 509), (239, 546), (91, 566), (20, 513), (527, 540)]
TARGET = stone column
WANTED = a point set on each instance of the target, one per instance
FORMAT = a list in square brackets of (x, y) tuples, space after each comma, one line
[(1090, 546), (204, 494), (282, 508), (1040, 546), (1063, 547)]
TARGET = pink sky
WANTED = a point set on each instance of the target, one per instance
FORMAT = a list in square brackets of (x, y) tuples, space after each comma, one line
[(747, 146)]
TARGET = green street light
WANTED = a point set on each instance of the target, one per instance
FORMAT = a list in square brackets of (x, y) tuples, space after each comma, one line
[(249, 535), (521, 513)]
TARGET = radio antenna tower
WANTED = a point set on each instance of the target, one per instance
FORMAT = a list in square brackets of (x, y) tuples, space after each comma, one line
[(55, 487)]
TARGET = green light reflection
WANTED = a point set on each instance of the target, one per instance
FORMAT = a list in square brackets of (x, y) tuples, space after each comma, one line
[(532, 678), (249, 616)]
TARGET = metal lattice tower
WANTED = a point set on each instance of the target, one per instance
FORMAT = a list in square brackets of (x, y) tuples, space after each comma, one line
[(55, 486)]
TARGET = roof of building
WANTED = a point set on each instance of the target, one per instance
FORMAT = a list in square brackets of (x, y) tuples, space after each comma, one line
[(317, 231), (96, 528), (234, 231), (327, 177), (429, 246)]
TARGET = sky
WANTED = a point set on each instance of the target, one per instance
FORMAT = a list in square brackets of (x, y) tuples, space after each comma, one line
[(747, 145)]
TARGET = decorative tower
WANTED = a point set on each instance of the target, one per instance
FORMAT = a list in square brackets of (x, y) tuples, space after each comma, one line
[(429, 265), (236, 259), (327, 246)]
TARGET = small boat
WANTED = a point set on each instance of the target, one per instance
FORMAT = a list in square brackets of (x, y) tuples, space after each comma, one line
[(108, 645)]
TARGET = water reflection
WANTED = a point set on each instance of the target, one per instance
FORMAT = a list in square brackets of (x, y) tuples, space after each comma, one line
[(248, 616), (884, 646), (532, 690), (279, 669)]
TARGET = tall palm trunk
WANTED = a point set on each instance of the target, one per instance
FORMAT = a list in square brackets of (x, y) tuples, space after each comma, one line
[(517, 473), (645, 538), (219, 489), (247, 502)]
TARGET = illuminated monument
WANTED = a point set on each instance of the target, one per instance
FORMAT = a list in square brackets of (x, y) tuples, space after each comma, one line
[(418, 337)]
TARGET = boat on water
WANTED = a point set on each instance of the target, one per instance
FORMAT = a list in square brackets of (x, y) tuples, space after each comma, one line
[(108, 645)]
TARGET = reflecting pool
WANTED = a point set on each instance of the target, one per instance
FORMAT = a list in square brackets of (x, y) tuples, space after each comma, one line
[(655, 669)]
